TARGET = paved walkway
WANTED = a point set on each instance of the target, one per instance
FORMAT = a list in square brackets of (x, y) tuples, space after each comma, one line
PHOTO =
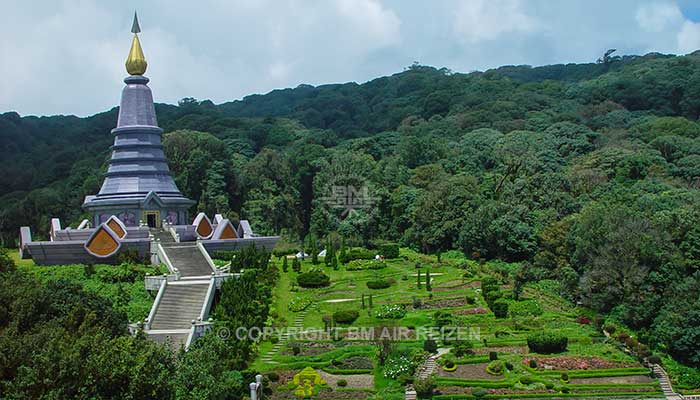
[(428, 367), (665, 383)]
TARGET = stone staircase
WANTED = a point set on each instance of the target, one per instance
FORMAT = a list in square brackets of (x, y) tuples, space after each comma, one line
[(665, 383), (181, 299), (188, 259), (428, 367), (181, 304), (298, 325)]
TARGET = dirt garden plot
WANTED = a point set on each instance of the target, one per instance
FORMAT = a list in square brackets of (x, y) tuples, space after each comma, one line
[(574, 363), (364, 381), (613, 380), (469, 371)]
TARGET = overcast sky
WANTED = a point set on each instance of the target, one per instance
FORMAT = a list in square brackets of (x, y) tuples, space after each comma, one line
[(67, 57)]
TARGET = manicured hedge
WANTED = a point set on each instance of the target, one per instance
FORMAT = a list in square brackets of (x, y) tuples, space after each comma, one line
[(360, 253), (378, 284), (547, 342), (345, 316), (389, 250), (313, 279)]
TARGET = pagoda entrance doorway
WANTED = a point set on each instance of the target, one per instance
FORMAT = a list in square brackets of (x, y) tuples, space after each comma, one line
[(152, 218)]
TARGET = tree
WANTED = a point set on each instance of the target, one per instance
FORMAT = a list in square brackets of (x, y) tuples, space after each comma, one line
[(428, 286)]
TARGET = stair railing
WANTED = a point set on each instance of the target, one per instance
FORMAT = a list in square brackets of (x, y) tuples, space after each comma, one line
[(156, 303), (204, 252)]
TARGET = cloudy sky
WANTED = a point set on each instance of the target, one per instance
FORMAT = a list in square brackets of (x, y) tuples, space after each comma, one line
[(67, 57)]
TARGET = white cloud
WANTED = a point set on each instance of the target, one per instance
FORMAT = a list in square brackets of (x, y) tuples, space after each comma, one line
[(67, 56), (689, 37), (479, 20), (657, 17)]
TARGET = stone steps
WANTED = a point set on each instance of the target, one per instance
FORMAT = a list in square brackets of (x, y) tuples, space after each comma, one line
[(179, 305), (188, 259)]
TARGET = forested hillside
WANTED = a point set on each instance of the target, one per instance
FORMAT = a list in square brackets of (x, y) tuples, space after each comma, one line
[(585, 173)]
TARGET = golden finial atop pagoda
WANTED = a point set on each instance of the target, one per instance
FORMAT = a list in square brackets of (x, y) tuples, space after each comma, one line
[(136, 62)]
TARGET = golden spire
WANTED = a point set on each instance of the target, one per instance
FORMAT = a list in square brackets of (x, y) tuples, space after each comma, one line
[(136, 62)]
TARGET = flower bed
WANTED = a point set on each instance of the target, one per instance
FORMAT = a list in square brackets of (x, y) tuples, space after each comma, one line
[(472, 311), (299, 304), (390, 311), (575, 363)]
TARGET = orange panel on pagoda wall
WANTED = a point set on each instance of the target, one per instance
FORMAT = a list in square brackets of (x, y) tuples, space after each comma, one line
[(204, 228), (228, 232), (116, 227), (102, 244)]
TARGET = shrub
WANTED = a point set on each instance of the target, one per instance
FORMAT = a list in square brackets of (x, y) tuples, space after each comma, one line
[(547, 342), (449, 366), (654, 359), (533, 363), (479, 392), (622, 337), (342, 383), (527, 380), (296, 349), (509, 366), (564, 377), (631, 342), (525, 308), (610, 329), (390, 311), (359, 253), (430, 346), (424, 387), (500, 308), (565, 389), (378, 284), (493, 355), (495, 367), (417, 302), (583, 321), (345, 316), (313, 279), (462, 348), (273, 376), (406, 379), (389, 250), (549, 385)]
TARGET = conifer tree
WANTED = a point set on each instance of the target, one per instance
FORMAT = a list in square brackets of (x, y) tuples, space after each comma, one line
[(343, 257), (427, 281), (370, 300), (285, 264), (418, 280), (363, 301)]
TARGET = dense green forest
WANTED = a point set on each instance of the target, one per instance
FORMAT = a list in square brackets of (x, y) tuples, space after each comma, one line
[(584, 173)]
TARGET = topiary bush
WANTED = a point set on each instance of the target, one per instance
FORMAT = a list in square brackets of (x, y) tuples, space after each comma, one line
[(479, 392), (342, 383), (495, 367), (547, 342), (493, 355), (533, 363), (500, 308), (527, 380), (378, 284), (345, 316), (564, 377), (430, 346), (313, 279), (389, 250), (449, 366)]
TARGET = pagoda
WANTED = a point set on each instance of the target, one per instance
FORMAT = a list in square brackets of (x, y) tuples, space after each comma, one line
[(138, 187)]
